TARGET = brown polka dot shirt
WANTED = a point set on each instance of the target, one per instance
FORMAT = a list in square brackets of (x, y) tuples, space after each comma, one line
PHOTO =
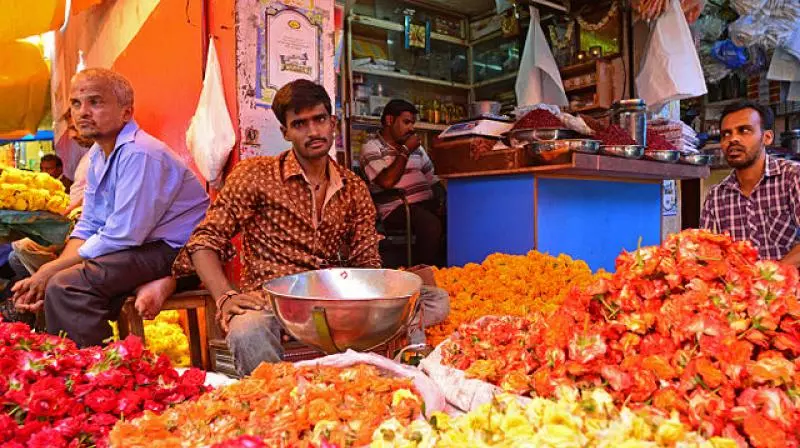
[(269, 201)]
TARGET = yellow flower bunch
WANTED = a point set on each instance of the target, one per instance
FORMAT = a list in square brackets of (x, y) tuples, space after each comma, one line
[(585, 419), (164, 335), (514, 285), (28, 191)]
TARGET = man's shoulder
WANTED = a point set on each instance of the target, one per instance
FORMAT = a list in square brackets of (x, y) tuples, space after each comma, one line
[(259, 166), (788, 168), (373, 144), (720, 189)]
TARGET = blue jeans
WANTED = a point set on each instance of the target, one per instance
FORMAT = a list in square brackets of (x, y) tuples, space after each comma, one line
[(255, 337)]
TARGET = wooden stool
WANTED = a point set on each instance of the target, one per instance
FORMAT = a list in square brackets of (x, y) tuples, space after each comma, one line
[(131, 323)]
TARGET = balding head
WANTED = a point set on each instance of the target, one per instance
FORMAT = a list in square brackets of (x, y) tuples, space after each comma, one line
[(119, 85), (101, 103)]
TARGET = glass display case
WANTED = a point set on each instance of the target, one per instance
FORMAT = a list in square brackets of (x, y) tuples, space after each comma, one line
[(493, 58)]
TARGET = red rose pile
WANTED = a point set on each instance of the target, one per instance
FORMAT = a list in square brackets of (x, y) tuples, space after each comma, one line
[(697, 325), (55, 395)]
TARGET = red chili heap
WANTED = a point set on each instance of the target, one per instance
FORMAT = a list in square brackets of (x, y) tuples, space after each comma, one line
[(539, 119), (698, 325), (657, 142)]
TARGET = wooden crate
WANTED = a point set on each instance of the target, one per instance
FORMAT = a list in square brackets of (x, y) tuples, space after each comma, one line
[(473, 154)]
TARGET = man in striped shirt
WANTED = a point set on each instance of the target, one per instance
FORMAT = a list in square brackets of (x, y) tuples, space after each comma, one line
[(760, 200), (396, 159)]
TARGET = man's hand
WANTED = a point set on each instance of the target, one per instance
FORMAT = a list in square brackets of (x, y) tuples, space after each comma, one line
[(412, 142), (29, 292), (238, 305)]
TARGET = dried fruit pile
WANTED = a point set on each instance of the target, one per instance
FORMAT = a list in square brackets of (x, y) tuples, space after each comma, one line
[(586, 419), (514, 285), (697, 325), (281, 405), (539, 119), (613, 135), (657, 142), (55, 395)]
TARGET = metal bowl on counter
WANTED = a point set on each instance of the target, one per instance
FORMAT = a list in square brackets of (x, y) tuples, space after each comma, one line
[(663, 156), (521, 137), (696, 159), (626, 151), (342, 308), (560, 151), (485, 107)]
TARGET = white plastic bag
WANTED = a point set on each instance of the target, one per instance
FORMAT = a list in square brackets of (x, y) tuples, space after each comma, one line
[(539, 80), (464, 394), (427, 388), (210, 137), (671, 69)]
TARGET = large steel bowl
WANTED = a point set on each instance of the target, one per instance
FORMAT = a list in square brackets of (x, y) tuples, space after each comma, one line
[(339, 309)]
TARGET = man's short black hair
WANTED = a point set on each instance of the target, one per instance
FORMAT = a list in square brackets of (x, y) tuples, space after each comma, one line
[(395, 108), (52, 158), (299, 95), (767, 117)]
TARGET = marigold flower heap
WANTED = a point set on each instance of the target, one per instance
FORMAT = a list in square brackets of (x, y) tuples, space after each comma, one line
[(282, 405), (55, 395), (697, 325), (165, 335), (28, 191), (513, 285)]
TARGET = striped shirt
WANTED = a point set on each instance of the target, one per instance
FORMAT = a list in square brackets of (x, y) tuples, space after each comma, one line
[(768, 218), (416, 182)]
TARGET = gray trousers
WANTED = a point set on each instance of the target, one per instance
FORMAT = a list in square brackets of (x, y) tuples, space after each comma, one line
[(255, 336), (82, 299)]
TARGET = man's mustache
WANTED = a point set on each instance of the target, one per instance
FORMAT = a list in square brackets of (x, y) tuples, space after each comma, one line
[(314, 140)]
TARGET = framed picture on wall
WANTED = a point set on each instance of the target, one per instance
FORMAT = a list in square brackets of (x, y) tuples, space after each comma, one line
[(417, 34)]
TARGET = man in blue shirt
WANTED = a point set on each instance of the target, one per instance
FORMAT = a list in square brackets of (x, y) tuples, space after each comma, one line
[(141, 204)]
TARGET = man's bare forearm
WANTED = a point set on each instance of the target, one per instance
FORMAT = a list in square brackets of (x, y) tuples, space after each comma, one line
[(69, 256), (793, 257), (210, 270)]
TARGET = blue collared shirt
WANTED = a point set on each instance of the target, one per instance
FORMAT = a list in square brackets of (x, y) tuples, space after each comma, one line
[(141, 193)]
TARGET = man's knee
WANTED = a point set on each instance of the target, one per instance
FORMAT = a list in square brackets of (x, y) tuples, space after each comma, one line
[(435, 305), (57, 285), (254, 337)]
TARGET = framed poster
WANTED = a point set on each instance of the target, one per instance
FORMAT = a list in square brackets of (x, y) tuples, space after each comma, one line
[(292, 50), (669, 198), (417, 35)]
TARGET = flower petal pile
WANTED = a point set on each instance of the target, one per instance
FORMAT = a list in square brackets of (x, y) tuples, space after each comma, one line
[(165, 335), (697, 325), (587, 419), (513, 285), (283, 405), (29, 191), (55, 395)]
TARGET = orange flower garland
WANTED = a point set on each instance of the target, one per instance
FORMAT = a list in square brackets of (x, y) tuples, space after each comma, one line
[(507, 285)]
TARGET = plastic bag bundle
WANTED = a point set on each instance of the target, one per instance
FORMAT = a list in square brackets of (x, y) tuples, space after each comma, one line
[(745, 7), (729, 54), (757, 60)]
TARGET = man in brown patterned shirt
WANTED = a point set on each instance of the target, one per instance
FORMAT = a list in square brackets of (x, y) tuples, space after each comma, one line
[(297, 211)]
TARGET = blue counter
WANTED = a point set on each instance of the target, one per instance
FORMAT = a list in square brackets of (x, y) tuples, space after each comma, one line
[(590, 209)]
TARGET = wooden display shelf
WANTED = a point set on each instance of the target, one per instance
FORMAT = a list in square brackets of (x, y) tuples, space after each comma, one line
[(392, 26), (397, 75), (499, 79), (597, 166), (582, 88), (376, 121)]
